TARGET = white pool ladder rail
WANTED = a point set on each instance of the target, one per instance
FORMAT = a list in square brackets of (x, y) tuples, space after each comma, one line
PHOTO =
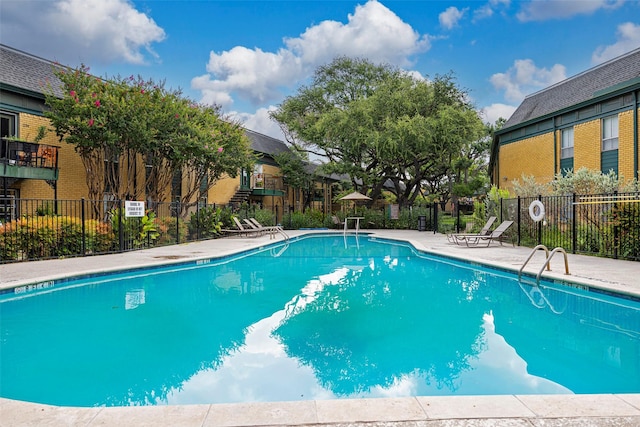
[(549, 255)]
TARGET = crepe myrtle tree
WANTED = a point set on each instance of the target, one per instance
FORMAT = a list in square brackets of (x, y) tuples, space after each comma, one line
[(215, 147), (122, 125), (382, 126)]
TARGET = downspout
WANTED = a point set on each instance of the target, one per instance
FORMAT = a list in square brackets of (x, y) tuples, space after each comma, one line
[(636, 105), (555, 148)]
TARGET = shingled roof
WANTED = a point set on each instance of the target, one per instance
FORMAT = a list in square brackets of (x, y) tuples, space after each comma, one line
[(27, 72), (265, 144), (578, 89)]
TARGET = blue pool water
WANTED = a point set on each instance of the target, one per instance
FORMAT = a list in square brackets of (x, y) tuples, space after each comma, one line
[(323, 317)]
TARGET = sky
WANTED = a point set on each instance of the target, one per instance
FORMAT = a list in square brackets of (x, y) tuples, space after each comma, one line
[(248, 56)]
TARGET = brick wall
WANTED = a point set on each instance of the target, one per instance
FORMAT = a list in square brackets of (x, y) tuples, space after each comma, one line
[(587, 142), (71, 180), (625, 145), (533, 156)]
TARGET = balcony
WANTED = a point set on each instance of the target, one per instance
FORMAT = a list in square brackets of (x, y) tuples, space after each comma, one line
[(266, 185), (28, 160)]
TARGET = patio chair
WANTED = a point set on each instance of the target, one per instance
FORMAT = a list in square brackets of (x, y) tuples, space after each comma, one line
[(458, 238), (241, 230), (250, 225), (495, 235), (271, 229)]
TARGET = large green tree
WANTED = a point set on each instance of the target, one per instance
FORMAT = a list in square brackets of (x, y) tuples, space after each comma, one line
[(121, 125), (382, 126)]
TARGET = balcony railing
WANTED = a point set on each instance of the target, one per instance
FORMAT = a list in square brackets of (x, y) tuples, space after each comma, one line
[(265, 184), (20, 159)]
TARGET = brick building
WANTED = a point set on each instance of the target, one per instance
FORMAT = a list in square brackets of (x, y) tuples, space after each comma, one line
[(589, 120), (35, 164)]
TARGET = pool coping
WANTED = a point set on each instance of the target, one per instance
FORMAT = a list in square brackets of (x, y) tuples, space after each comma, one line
[(548, 410)]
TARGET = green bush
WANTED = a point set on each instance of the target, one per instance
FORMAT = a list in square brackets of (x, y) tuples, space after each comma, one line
[(205, 223), (52, 236), (627, 221), (264, 217), (311, 218), (138, 231), (167, 231)]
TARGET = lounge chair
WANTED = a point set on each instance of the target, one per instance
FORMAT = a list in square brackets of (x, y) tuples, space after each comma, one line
[(458, 238), (495, 235), (271, 229), (260, 230), (241, 230)]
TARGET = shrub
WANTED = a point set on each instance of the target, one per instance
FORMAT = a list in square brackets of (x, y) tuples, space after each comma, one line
[(138, 231), (310, 218), (52, 236), (205, 223), (627, 222), (167, 231)]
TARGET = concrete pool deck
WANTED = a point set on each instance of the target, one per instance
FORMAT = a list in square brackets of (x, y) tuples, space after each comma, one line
[(427, 411)]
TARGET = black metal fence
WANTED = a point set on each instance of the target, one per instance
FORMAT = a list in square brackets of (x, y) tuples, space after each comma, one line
[(32, 229), (41, 229), (606, 225)]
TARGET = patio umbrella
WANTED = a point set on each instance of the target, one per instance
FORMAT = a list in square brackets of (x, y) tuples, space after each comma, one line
[(355, 197)]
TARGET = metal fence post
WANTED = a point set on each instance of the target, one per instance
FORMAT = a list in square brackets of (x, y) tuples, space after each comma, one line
[(84, 234), (177, 222), (435, 216), (198, 220), (574, 226), (519, 218), (120, 226), (540, 223), (616, 226)]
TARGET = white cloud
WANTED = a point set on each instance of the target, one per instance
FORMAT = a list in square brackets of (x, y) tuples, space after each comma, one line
[(524, 78), (260, 122), (450, 17), (89, 30), (493, 112), (251, 73), (487, 10), (372, 31), (628, 39), (542, 10), (483, 12)]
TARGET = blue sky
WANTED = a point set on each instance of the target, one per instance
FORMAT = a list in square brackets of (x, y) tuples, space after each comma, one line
[(248, 56)]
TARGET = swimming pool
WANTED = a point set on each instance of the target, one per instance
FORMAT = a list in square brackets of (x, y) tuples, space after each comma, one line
[(321, 318)]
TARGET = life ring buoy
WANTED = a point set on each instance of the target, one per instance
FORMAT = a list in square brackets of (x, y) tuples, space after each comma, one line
[(536, 210)]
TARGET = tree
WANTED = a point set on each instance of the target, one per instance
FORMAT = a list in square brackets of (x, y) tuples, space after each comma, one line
[(294, 166), (133, 136), (380, 125)]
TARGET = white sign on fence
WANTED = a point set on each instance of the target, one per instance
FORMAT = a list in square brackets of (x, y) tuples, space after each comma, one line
[(132, 208), (394, 211)]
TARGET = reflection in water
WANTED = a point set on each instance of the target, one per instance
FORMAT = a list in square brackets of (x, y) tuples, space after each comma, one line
[(322, 319)]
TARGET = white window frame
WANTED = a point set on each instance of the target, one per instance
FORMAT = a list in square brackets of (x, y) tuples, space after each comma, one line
[(566, 144), (610, 132), (13, 127)]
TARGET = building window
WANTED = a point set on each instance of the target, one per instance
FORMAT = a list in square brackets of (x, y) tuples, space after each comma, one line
[(7, 124), (609, 157), (610, 133), (8, 128), (566, 149)]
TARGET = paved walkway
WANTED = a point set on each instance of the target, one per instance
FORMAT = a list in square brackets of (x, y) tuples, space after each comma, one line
[(427, 411)]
